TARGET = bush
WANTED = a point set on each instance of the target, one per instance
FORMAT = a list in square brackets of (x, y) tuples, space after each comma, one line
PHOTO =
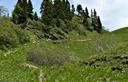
[(8, 37), (47, 56), (76, 25), (32, 24), (11, 34), (22, 35)]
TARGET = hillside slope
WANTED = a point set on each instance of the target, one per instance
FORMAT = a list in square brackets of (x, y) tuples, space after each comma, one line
[(96, 57), (91, 48)]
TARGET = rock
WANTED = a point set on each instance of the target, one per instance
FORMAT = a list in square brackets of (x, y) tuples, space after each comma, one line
[(117, 68)]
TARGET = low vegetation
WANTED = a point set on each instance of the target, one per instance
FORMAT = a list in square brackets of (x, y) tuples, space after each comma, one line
[(11, 35), (61, 46), (48, 56)]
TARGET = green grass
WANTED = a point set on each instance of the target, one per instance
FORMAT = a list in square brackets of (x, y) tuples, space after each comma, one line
[(84, 48)]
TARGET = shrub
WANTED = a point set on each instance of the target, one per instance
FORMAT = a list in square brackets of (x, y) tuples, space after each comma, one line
[(76, 25), (32, 24), (47, 56), (8, 37), (11, 34), (22, 35)]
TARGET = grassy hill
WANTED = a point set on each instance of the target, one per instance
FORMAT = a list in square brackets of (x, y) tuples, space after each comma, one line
[(79, 58)]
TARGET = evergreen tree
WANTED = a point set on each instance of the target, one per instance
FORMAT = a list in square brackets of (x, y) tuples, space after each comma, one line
[(24, 6), (19, 14), (22, 11), (86, 11), (79, 9), (29, 9), (73, 10), (99, 25), (86, 20), (68, 11), (94, 19), (59, 7), (46, 11), (19, 1), (95, 14), (92, 13), (35, 16)]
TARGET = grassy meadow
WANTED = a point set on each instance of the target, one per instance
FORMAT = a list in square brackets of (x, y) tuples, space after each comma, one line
[(92, 58)]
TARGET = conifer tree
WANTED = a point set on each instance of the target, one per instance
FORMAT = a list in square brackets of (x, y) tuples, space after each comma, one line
[(99, 25), (94, 19), (24, 6), (22, 11), (86, 20), (86, 11), (35, 16), (79, 9), (73, 10), (68, 11), (19, 14), (56, 8), (92, 13), (46, 11), (59, 7), (29, 9), (19, 1), (95, 13)]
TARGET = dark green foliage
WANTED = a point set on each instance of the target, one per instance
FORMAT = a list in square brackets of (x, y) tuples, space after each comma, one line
[(99, 25), (11, 35), (16, 14), (86, 20), (22, 35), (19, 1), (68, 11), (57, 16), (79, 9), (86, 11), (96, 22), (30, 9), (35, 16), (22, 11), (46, 11), (58, 12), (73, 10)]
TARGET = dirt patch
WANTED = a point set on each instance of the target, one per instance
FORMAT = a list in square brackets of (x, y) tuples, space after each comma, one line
[(115, 63), (26, 65)]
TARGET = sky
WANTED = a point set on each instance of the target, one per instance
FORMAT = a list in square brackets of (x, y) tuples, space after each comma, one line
[(113, 13)]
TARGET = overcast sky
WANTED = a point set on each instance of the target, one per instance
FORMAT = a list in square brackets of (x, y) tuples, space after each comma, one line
[(113, 13)]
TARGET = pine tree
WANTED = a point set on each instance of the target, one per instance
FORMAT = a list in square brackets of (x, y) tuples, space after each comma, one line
[(86, 11), (73, 10), (94, 19), (68, 11), (35, 16), (79, 9), (23, 11), (18, 14), (92, 13), (46, 11), (24, 6), (86, 20), (29, 9), (57, 9), (99, 25), (19, 1)]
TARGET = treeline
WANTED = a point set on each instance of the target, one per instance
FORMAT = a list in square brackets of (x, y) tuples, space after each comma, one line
[(54, 12)]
